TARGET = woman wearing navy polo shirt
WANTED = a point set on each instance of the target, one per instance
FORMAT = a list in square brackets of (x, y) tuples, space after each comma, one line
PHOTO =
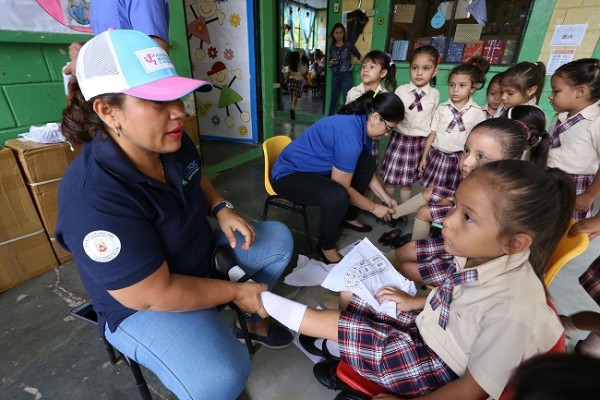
[(132, 211), (330, 165)]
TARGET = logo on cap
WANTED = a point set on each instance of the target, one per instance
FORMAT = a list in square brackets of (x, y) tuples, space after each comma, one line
[(154, 59)]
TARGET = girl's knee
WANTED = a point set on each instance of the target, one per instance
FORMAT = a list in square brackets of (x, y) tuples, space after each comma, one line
[(423, 213), (406, 253)]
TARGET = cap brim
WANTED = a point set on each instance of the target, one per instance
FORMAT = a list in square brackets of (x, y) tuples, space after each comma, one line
[(167, 89)]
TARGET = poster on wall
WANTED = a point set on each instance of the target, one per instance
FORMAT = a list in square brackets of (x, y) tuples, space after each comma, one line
[(51, 16), (222, 53)]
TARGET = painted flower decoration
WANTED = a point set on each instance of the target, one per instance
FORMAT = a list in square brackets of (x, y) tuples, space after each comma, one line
[(235, 19), (243, 131), (228, 54), (216, 121), (212, 52)]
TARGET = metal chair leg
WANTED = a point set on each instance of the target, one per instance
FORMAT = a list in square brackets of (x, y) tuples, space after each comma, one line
[(244, 328)]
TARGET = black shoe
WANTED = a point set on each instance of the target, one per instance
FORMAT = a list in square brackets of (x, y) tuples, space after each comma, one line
[(401, 240), (327, 355), (292, 114), (325, 259), (325, 373), (363, 228), (391, 223), (222, 262), (308, 344), (387, 237)]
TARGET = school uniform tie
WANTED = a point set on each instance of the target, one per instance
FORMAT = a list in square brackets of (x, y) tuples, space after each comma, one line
[(417, 101), (457, 120), (560, 128), (443, 295)]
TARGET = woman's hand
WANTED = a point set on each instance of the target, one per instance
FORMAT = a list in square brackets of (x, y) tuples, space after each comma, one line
[(422, 165), (248, 298), (583, 201), (230, 221), (382, 211), (404, 301), (591, 226)]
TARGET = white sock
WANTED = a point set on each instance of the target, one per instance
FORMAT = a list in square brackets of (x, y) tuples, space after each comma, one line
[(420, 229), (404, 195), (288, 312), (409, 206), (236, 273), (591, 345), (333, 347)]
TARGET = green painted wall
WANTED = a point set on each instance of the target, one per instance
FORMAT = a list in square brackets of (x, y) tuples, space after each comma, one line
[(31, 85)]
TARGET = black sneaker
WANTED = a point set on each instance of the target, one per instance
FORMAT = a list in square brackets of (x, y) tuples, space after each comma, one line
[(325, 372), (278, 337), (292, 114)]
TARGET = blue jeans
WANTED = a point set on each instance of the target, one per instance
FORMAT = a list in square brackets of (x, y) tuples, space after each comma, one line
[(341, 82), (195, 354)]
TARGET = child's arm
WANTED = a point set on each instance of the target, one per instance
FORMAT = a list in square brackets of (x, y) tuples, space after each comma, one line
[(404, 301), (591, 226), (584, 200), (428, 143)]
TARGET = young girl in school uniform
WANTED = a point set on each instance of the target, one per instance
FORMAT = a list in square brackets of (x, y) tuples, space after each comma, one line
[(295, 81), (521, 84), (376, 67), (490, 313), (490, 140), (575, 146), (405, 149), (452, 122), (493, 97)]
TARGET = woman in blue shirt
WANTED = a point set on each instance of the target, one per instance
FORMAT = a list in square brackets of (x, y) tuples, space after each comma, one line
[(330, 165)]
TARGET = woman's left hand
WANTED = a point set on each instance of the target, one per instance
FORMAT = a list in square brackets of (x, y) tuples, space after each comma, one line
[(403, 300), (230, 221), (583, 201)]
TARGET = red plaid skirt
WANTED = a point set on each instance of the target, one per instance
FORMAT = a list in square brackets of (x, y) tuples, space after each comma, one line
[(401, 162), (439, 211), (433, 260), (295, 87), (590, 280), (389, 351), (582, 183), (442, 169)]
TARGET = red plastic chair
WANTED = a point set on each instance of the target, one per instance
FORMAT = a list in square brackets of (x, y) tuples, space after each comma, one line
[(362, 388)]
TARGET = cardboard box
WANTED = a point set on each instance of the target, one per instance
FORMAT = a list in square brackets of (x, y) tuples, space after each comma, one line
[(24, 248), (24, 259), (43, 166)]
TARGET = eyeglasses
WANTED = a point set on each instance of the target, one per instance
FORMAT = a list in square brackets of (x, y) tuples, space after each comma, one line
[(388, 128)]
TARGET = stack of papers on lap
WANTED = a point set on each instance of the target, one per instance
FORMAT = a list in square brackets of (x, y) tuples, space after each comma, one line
[(365, 270)]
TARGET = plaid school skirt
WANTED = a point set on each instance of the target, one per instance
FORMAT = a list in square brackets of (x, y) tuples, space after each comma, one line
[(590, 280), (582, 183), (389, 351), (295, 87), (442, 169), (401, 161), (439, 211), (433, 260)]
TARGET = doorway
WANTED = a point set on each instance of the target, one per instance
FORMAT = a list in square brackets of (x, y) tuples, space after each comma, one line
[(302, 28)]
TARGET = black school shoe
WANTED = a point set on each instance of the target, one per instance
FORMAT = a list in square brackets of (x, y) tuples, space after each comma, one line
[(325, 373)]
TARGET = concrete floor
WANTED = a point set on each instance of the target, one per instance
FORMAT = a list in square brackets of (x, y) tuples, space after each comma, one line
[(46, 354)]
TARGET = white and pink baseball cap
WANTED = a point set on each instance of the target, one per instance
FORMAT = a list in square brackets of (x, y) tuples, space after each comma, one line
[(130, 62)]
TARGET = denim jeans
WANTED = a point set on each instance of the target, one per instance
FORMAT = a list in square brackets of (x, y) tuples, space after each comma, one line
[(195, 354), (341, 82)]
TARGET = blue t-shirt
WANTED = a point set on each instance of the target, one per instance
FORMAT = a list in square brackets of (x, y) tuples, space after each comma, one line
[(335, 141), (121, 225), (148, 16)]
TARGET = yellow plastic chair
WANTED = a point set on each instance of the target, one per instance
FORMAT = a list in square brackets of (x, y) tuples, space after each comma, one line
[(567, 249), (272, 147)]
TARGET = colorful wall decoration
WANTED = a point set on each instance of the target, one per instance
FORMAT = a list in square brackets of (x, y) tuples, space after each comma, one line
[(221, 40)]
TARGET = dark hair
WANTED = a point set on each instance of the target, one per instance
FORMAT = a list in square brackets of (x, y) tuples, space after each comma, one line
[(556, 376), (538, 140), (336, 26), (585, 71), (430, 51), (476, 68), (304, 60), (510, 134), (80, 123), (385, 62), (388, 105), (531, 200), (293, 60), (525, 75), (495, 79)]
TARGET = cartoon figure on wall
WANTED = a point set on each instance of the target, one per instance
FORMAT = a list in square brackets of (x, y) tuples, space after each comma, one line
[(219, 76), (206, 11)]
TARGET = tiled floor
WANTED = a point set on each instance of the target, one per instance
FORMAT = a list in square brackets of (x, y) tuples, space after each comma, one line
[(46, 354)]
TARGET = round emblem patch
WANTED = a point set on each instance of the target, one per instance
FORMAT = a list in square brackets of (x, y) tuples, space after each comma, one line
[(102, 246)]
